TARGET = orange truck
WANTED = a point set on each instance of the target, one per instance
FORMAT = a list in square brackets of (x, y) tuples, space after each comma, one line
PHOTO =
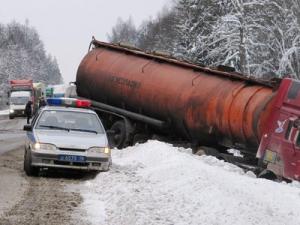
[(140, 95)]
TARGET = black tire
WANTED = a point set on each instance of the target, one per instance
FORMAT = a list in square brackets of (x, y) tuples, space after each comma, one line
[(118, 139), (11, 117), (267, 174), (28, 168)]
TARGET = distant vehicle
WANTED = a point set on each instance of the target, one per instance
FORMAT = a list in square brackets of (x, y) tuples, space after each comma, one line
[(21, 91), (49, 92), (57, 90), (39, 91), (61, 90), (71, 91), (17, 102), (66, 134)]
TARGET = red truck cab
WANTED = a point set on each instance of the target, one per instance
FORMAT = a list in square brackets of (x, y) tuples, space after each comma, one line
[(279, 149)]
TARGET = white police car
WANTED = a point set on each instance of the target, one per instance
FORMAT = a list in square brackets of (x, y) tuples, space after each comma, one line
[(66, 134)]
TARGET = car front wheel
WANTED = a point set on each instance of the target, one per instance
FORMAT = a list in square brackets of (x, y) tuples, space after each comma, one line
[(28, 168)]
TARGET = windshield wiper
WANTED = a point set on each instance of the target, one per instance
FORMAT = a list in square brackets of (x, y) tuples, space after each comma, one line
[(55, 127), (84, 130)]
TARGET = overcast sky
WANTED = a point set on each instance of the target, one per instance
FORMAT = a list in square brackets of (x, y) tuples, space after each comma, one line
[(67, 26)]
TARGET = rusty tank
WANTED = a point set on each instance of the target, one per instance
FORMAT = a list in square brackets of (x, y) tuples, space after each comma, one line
[(204, 105)]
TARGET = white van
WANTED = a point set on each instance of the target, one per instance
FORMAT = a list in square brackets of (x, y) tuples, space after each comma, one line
[(17, 103)]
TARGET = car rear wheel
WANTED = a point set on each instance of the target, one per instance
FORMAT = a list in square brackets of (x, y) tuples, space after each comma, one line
[(28, 168)]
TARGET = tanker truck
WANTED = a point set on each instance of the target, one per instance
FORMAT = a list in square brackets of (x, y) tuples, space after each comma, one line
[(140, 94)]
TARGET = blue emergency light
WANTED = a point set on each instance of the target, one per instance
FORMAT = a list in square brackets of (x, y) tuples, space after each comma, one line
[(54, 101)]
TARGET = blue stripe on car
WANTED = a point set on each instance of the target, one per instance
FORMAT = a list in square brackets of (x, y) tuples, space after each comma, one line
[(31, 136)]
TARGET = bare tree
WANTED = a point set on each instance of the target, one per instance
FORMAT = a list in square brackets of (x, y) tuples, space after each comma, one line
[(123, 31)]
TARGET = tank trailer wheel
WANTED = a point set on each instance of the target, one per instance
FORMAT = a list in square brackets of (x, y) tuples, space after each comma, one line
[(117, 139)]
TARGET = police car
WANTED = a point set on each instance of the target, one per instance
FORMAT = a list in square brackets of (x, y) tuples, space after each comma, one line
[(66, 134)]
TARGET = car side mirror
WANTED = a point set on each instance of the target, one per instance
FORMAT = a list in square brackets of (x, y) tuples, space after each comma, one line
[(27, 127)]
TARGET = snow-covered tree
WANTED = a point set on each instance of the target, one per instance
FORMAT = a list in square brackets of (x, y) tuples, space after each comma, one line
[(158, 34), (258, 37), (22, 56), (123, 31)]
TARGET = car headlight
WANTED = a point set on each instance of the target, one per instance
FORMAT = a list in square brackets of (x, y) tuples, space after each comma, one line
[(11, 111), (105, 150), (39, 146)]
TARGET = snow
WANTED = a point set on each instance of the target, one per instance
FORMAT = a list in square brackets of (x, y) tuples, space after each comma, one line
[(4, 112), (156, 183)]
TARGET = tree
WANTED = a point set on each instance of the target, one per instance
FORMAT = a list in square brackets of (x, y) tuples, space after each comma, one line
[(22, 56), (158, 34), (260, 38), (123, 31)]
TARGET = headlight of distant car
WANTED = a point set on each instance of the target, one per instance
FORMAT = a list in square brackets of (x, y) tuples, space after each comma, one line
[(11, 111), (105, 150), (38, 146)]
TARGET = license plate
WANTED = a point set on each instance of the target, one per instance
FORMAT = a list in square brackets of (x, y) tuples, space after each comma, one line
[(71, 158)]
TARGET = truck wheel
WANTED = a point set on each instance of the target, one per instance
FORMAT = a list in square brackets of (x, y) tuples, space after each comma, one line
[(28, 168), (267, 174), (117, 140)]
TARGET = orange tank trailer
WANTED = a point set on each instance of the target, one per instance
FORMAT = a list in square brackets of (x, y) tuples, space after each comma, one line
[(206, 106)]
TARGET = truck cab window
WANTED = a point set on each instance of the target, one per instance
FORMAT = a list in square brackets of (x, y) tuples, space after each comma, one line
[(288, 130), (298, 139)]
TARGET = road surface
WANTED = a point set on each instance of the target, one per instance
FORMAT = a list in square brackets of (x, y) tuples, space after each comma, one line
[(34, 200)]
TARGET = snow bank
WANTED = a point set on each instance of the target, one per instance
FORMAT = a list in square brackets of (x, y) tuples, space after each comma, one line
[(4, 112), (155, 183)]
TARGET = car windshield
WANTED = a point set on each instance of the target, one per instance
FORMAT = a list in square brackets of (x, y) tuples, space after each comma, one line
[(19, 100), (19, 97), (70, 121)]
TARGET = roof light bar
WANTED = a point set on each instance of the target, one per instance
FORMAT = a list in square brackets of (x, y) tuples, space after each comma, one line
[(69, 102), (83, 103), (54, 101)]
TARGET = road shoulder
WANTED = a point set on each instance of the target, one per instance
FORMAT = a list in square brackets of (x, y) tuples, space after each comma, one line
[(13, 185)]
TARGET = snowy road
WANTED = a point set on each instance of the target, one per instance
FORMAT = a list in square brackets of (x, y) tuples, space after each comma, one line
[(11, 134), (30, 200)]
